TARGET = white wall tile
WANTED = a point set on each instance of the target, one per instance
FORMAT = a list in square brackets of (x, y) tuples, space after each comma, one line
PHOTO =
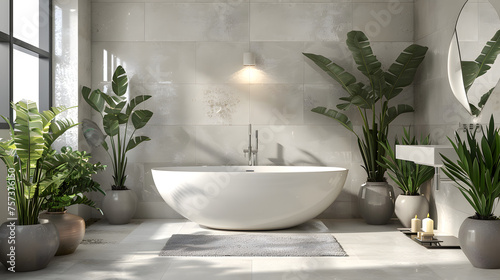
[(118, 22), (145, 62), (384, 21), (279, 62), (199, 104), (222, 145), (276, 104), (299, 22), (220, 62), (197, 21)]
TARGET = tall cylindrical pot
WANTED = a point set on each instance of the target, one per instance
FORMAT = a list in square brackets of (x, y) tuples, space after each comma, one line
[(480, 242), (119, 206), (407, 206), (376, 202), (71, 230), (29, 247)]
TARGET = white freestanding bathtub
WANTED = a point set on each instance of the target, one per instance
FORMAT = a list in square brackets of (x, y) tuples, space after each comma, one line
[(249, 197)]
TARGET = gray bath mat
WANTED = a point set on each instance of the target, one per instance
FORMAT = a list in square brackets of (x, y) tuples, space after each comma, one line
[(258, 245)]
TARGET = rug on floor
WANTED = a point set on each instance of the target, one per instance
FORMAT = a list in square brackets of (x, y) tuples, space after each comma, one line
[(257, 245)]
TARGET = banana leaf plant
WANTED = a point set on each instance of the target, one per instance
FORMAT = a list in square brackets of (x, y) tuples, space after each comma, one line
[(31, 163), (471, 70), (117, 115), (477, 170), (78, 181), (371, 99), (408, 175)]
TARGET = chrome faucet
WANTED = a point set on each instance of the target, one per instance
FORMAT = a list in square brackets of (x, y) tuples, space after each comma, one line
[(252, 153)]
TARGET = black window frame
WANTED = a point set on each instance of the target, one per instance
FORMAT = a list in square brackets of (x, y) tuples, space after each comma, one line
[(45, 57)]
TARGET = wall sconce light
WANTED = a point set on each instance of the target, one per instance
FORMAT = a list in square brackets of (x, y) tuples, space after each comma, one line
[(248, 59)]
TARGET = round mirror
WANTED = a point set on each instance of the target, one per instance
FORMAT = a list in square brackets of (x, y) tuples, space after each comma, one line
[(474, 47)]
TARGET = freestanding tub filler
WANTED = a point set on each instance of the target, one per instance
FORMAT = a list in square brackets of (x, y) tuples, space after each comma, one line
[(249, 197)]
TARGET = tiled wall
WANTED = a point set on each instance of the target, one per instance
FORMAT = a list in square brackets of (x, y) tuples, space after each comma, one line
[(438, 113), (188, 56)]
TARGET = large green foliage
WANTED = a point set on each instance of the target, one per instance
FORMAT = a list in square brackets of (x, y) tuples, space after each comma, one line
[(117, 114), (30, 160), (477, 170), (372, 100), (471, 70), (406, 174), (78, 181)]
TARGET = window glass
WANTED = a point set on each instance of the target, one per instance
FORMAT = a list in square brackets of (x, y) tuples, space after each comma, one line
[(4, 80), (26, 76), (27, 21), (4, 16)]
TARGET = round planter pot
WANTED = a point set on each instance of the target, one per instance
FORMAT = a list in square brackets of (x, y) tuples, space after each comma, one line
[(119, 206), (407, 206), (376, 202), (34, 247), (71, 230), (480, 242)]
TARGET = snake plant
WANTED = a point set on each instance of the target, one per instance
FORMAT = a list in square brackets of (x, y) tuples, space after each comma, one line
[(33, 169), (408, 175), (116, 113), (477, 170), (371, 99)]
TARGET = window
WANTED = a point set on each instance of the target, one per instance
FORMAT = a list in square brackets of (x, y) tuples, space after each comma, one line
[(25, 54)]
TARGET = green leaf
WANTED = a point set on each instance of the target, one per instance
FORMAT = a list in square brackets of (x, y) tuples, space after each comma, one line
[(402, 72), (469, 73), (136, 141), (94, 99), (28, 132), (394, 112), (111, 125), (120, 81), (341, 118), (140, 118), (367, 62), (136, 101), (333, 70)]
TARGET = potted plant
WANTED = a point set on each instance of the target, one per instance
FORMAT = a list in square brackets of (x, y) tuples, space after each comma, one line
[(78, 173), (409, 177), (477, 175), (372, 102), (120, 120), (32, 168)]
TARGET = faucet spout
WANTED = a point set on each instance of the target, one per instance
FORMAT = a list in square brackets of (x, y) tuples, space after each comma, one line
[(250, 152)]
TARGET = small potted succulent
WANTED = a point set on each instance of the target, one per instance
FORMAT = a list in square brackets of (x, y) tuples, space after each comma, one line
[(78, 181), (409, 177), (120, 121), (477, 175)]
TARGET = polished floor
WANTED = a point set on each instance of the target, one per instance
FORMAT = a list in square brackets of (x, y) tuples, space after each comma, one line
[(375, 252)]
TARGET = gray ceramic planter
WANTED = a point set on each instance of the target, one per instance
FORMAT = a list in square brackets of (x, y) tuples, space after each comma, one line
[(407, 206), (119, 206), (480, 242), (71, 230), (376, 202), (35, 245)]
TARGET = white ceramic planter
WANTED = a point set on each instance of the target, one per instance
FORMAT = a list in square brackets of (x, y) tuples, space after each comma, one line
[(407, 206), (119, 206), (376, 202), (34, 248), (480, 242)]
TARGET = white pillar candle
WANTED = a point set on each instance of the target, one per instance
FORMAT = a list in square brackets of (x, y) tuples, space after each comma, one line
[(428, 225), (416, 224)]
